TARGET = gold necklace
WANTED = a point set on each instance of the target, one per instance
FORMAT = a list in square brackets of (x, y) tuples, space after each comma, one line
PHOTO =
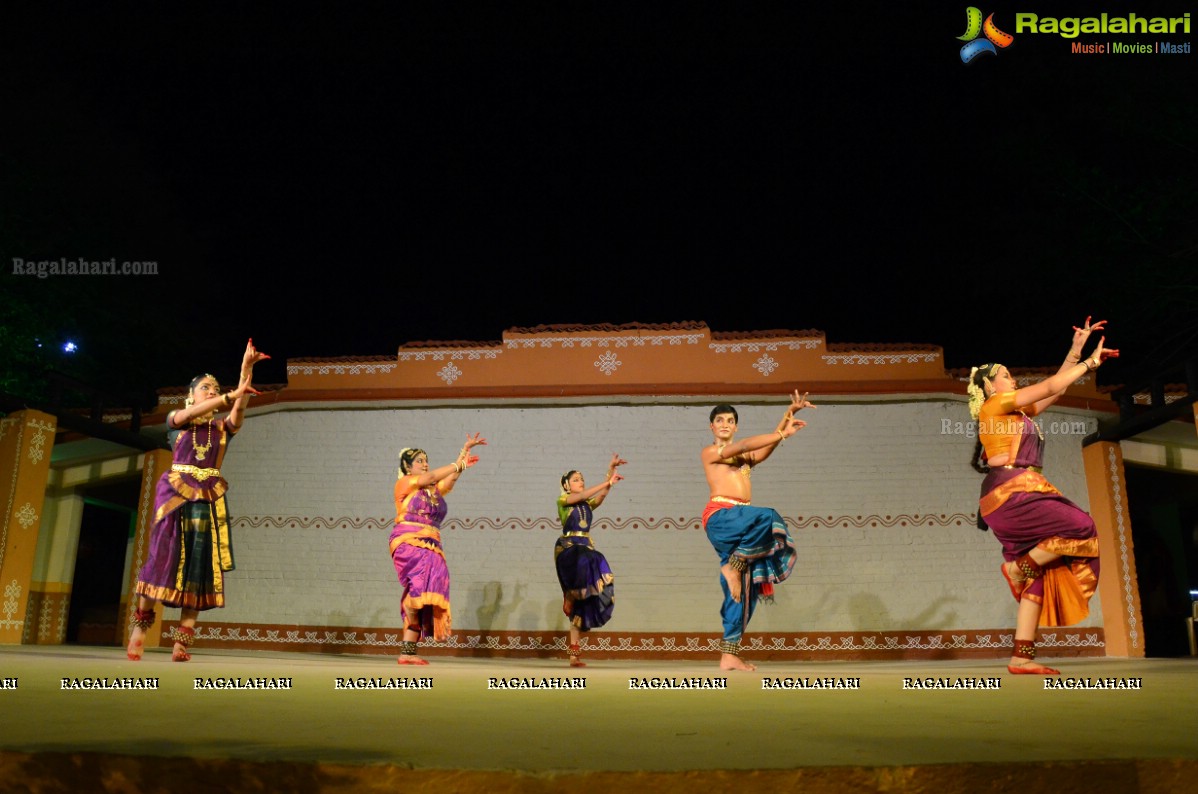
[(745, 470), (201, 450), (1039, 432), (582, 515)]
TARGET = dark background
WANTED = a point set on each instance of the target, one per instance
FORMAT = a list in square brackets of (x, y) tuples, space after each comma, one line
[(341, 180)]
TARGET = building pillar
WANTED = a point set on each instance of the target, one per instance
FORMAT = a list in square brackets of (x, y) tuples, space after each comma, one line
[(154, 464), (26, 440), (54, 569), (1118, 587)]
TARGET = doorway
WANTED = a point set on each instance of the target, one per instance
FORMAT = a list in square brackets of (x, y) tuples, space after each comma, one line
[(109, 519), (1164, 519)]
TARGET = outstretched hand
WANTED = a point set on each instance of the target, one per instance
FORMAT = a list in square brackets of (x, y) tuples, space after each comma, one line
[(791, 427), (464, 457), (614, 478), (799, 402), (616, 460), (252, 356), (1080, 335), (1101, 353)]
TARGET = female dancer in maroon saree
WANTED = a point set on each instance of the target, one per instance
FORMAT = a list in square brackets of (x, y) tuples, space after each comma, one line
[(416, 545), (1050, 544), (190, 546), (586, 579)]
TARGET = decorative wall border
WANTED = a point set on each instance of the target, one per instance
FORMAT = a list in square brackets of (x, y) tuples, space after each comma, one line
[(471, 354), (50, 625), (11, 606), (357, 368), (1125, 554), (768, 346), (37, 441), (635, 340), (789, 646), (880, 358), (12, 485), (875, 521), (1143, 398)]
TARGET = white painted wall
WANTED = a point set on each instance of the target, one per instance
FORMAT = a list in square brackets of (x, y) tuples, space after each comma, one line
[(320, 469)]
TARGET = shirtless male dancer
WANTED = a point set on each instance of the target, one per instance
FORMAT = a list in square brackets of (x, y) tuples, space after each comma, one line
[(753, 543)]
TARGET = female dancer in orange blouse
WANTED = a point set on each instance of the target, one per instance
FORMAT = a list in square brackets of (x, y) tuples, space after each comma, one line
[(1049, 543), (416, 550)]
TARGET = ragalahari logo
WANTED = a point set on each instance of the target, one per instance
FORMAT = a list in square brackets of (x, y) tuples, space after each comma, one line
[(974, 26)]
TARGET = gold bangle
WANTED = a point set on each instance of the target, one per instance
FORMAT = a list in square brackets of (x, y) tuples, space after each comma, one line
[(1091, 365), (781, 437), (224, 398)]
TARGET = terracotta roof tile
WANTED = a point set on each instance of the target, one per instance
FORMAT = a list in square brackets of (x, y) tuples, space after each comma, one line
[(870, 347), (341, 360), (777, 333), (449, 343), (609, 328)]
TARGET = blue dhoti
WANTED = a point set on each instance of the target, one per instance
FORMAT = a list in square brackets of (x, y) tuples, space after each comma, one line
[(759, 537)]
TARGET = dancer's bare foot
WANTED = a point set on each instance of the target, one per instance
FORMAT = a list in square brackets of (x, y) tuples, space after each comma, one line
[(136, 642), (183, 636), (1021, 666), (408, 658), (730, 661), (732, 577)]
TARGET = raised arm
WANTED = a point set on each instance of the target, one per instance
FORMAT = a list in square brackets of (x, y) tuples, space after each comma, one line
[(238, 399), (797, 403), (1046, 392), (447, 476), (755, 449), (599, 492), (1080, 336)]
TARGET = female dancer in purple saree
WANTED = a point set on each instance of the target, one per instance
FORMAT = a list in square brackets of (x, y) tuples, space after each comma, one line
[(416, 544), (586, 580), (190, 546), (1050, 544)]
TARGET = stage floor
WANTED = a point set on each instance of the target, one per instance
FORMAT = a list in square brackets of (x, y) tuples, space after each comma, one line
[(460, 734)]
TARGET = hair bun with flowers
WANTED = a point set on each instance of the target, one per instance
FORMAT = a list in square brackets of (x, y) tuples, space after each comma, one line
[(977, 394)]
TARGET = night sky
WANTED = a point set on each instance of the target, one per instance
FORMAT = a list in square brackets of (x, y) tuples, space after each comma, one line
[(340, 181)]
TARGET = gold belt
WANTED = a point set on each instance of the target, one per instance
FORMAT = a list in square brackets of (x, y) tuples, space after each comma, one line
[(195, 471), (1036, 469), (727, 500), (576, 534)]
